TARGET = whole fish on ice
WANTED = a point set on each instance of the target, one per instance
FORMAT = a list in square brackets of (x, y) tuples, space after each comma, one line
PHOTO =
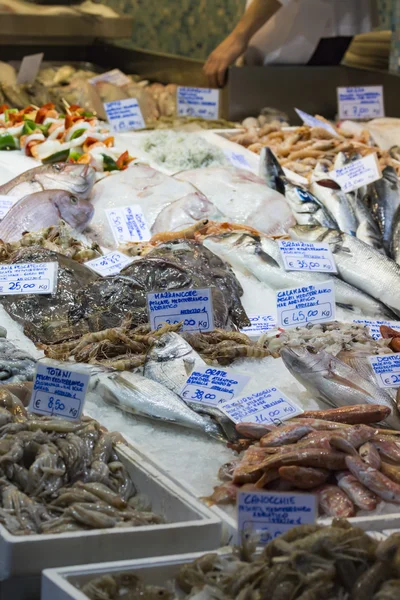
[(77, 179), (43, 209), (383, 199)]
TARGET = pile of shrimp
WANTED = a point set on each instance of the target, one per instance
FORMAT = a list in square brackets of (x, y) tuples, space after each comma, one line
[(300, 148)]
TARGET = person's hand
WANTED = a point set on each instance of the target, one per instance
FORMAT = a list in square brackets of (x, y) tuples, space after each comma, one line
[(222, 57)]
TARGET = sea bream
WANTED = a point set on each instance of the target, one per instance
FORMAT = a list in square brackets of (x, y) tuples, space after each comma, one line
[(44, 209), (77, 179)]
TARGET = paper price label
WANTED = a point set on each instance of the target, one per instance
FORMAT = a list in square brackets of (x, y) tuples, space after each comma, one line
[(58, 392), (124, 115), (266, 406), (115, 76), (29, 68), (308, 304), (374, 326), (357, 173), (361, 102), (128, 224), (269, 514), (6, 202), (193, 308), (213, 386), (109, 264), (197, 102), (28, 278), (315, 122), (259, 324), (307, 256), (238, 160), (387, 370)]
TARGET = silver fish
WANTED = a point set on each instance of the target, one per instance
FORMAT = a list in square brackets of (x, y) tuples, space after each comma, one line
[(358, 264), (307, 209), (261, 258), (77, 179), (170, 362), (141, 396), (383, 198), (271, 170), (395, 244), (43, 209), (335, 383)]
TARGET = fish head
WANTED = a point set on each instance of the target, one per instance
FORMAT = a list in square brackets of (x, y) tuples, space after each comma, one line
[(73, 210), (303, 363), (300, 198), (271, 170), (170, 346), (312, 233), (77, 179), (234, 239)]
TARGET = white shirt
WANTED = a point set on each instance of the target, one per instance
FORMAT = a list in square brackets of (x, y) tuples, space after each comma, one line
[(293, 33)]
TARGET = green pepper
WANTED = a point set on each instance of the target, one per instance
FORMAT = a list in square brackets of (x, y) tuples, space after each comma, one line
[(77, 133), (87, 114), (31, 126), (109, 163), (8, 111), (7, 142), (75, 154), (61, 116), (61, 156)]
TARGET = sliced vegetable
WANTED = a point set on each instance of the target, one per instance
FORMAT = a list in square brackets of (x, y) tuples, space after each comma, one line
[(124, 160), (3, 108), (88, 114), (75, 155), (42, 112), (61, 156), (109, 163), (8, 112), (77, 133), (31, 126), (7, 142)]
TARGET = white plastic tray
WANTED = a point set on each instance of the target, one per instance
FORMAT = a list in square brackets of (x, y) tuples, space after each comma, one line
[(191, 527)]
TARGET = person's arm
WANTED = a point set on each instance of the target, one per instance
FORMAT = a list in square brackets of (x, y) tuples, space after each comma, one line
[(258, 13)]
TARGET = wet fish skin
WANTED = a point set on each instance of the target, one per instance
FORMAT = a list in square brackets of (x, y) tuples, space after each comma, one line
[(336, 383), (307, 208), (358, 264), (374, 480), (271, 170), (43, 209), (334, 502), (367, 229), (77, 179), (383, 197)]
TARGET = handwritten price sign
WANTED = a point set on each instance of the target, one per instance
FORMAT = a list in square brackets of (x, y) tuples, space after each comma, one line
[(28, 278)]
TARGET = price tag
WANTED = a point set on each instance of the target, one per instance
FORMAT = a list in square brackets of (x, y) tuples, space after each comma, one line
[(116, 77), (28, 278), (307, 256), (124, 115), (357, 173), (29, 68), (259, 325), (361, 102), (374, 326), (128, 224), (238, 160), (6, 202), (265, 406), (315, 122), (387, 370), (109, 264), (193, 307), (58, 392), (197, 102), (269, 514), (213, 386), (308, 304)]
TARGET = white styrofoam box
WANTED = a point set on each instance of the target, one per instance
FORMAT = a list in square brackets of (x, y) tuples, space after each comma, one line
[(191, 526), (61, 584)]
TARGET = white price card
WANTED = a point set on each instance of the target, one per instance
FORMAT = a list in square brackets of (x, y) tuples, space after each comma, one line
[(6, 202), (259, 324), (308, 304), (269, 514), (307, 256), (213, 386), (124, 115), (315, 122), (29, 68), (387, 369), (357, 173), (197, 102), (268, 405), (128, 224), (109, 264), (115, 76), (375, 326), (28, 278), (238, 160), (58, 392), (360, 102), (193, 307)]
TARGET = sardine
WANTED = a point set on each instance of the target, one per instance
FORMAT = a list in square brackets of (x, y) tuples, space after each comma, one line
[(77, 179), (358, 264), (383, 198), (335, 383), (261, 258), (140, 396), (44, 209)]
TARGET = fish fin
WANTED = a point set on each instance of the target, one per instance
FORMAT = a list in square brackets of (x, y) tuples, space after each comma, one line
[(329, 183), (345, 306), (188, 363), (266, 257), (332, 376)]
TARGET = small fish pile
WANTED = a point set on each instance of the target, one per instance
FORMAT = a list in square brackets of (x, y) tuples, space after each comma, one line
[(339, 562), (338, 454), (58, 476)]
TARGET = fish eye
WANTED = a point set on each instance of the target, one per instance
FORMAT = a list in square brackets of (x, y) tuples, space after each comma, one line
[(58, 167), (74, 199)]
